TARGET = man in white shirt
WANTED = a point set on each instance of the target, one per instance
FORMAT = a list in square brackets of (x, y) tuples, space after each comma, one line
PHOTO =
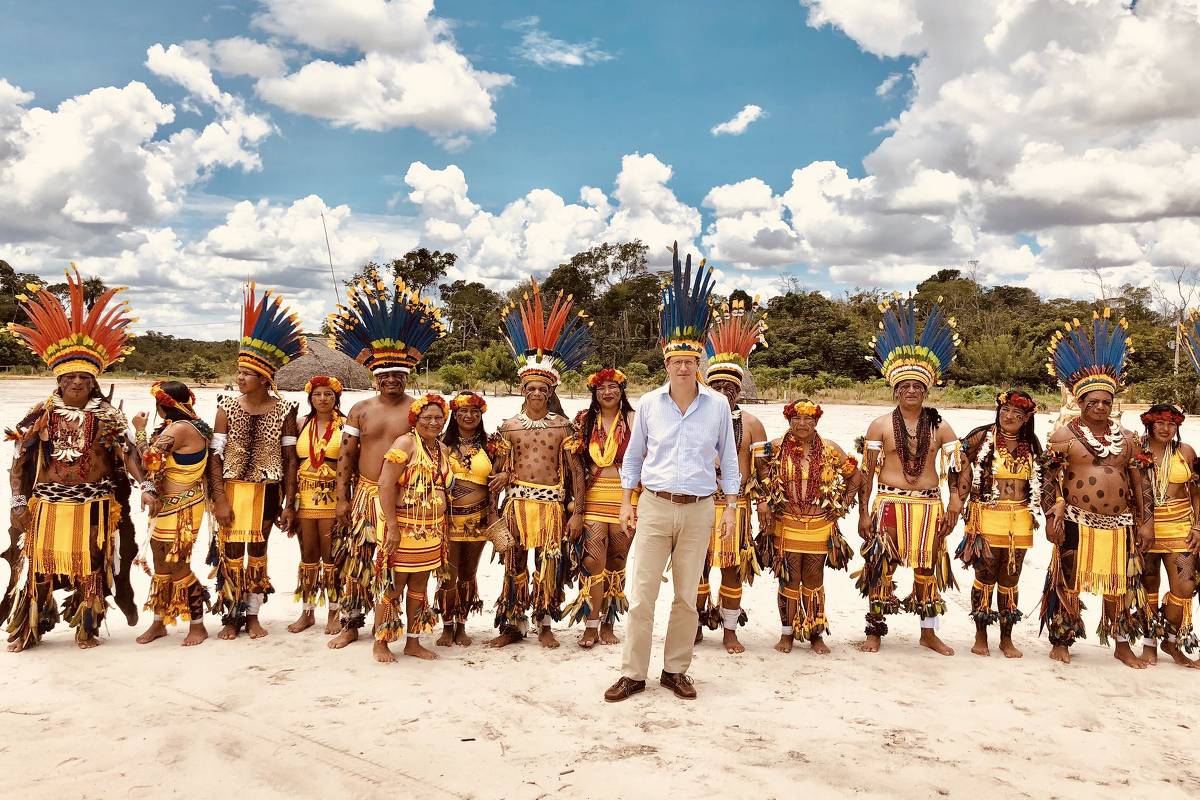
[(682, 431)]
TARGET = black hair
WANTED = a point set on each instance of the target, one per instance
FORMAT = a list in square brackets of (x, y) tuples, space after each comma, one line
[(337, 402), (592, 415), (1159, 408), (452, 436), (1026, 435)]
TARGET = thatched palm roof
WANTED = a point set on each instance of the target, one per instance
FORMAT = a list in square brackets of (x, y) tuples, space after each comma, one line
[(322, 360)]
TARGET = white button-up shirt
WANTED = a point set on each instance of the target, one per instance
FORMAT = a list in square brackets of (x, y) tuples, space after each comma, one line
[(677, 451)]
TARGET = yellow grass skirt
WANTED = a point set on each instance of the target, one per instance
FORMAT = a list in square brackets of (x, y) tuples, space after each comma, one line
[(536, 523), (60, 540), (421, 545), (603, 501), (316, 497), (808, 535), (735, 551), (1006, 524), (1101, 560), (916, 520), (1172, 524)]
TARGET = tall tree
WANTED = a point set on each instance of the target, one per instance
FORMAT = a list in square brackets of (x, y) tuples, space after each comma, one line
[(419, 269)]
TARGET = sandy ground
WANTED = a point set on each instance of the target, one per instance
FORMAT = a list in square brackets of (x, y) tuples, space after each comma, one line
[(286, 717)]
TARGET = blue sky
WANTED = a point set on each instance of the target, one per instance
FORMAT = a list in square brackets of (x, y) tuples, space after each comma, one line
[(889, 139)]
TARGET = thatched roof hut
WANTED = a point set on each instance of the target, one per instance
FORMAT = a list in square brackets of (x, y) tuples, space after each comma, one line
[(322, 360)]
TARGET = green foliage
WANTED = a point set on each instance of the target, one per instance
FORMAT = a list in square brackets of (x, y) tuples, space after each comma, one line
[(14, 354), (473, 312), (162, 354), (494, 364), (1001, 361), (572, 382), (419, 269), (199, 369), (636, 372), (454, 377)]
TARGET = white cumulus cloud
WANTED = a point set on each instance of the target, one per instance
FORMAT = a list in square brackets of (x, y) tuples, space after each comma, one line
[(740, 121), (539, 47)]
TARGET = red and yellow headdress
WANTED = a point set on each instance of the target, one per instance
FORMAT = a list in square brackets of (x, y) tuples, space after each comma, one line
[(802, 408), (1016, 400), (545, 346), (83, 340), (607, 375), (319, 381), (1163, 415), (734, 334), (271, 335), (166, 401), (422, 403), (469, 400)]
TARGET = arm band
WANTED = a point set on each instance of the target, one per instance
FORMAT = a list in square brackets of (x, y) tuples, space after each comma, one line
[(288, 441), (218, 443), (872, 444), (349, 430)]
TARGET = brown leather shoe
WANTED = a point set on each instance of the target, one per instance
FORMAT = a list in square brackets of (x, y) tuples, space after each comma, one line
[(680, 684), (623, 689)]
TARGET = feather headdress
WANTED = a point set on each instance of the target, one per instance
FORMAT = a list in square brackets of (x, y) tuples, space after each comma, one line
[(736, 331), (545, 346), (901, 354), (685, 309), (271, 335), (385, 331), (1086, 363), (79, 340)]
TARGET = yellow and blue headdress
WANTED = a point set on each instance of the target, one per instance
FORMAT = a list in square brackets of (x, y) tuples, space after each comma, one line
[(901, 355), (685, 310), (546, 346), (385, 331), (736, 331), (1084, 364), (271, 334), (81, 340)]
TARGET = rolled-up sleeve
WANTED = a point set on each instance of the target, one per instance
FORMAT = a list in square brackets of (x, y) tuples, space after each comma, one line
[(635, 451), (731, 471)]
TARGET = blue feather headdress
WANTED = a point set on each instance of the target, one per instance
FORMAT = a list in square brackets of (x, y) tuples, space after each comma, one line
[(386, 331), (901, 355), (1084, 364), (270, 334), (545, 347), (686, 307)]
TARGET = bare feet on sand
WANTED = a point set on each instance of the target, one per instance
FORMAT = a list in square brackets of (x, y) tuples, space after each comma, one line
[(412, 647), (228, 632), (197, 633), (254, 627), (818, 646), (608, 636), (785, 643), (1124, 653), (505, 639), (871, 645), (589, 638), (345, 636), (332, 623), (546, 638), (447, 637), (305, 621), (1172, 649), (980, 648), (157, 630), (729, 638), (930, 639), (382, 654), (1009, 649)]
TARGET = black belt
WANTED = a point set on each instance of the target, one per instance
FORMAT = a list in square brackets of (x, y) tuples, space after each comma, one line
[(680, 499)]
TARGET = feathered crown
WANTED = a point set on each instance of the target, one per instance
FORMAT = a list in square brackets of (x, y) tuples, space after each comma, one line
[(685, 309), (1189, 331), (84, 340), (1084, 364), (386, 331), (271, 335), (901, 355), (735, 333), (545, 347)]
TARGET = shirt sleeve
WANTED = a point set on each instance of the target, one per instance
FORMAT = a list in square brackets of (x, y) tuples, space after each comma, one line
[(731, 471), (635, 451)]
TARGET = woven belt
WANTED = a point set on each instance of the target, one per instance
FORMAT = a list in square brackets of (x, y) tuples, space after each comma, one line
[(680, 499)]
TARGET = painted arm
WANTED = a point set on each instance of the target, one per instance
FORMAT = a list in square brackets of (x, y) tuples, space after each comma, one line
[(872, 450), (287, 516), (574, 466), (347, 467)]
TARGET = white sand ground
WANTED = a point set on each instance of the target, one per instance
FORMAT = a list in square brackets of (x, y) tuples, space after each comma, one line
[(286, 717)]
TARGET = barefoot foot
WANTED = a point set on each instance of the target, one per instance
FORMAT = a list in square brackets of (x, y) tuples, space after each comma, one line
[(157, 630), (344, 637), (818, 646), (930, 639), (382, 654), (546, 638), (607, 636), (1150, 653), (871, 645), (1060, 652), (1009, 649), (589, 638), (785, 643), (980, 648), (254, 627), (1124, 653), (88, 643), (228, 632), (333, 623), (197, 633), (505, 639), (460, 636), (729, 638), (447, 637), (413, 648), (1172, 649), (305, 621)]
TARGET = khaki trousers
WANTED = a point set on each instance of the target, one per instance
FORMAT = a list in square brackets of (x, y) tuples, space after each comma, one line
[(680, 533)]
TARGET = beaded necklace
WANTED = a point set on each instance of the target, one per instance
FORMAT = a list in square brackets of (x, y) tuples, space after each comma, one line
[(914, 450)]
